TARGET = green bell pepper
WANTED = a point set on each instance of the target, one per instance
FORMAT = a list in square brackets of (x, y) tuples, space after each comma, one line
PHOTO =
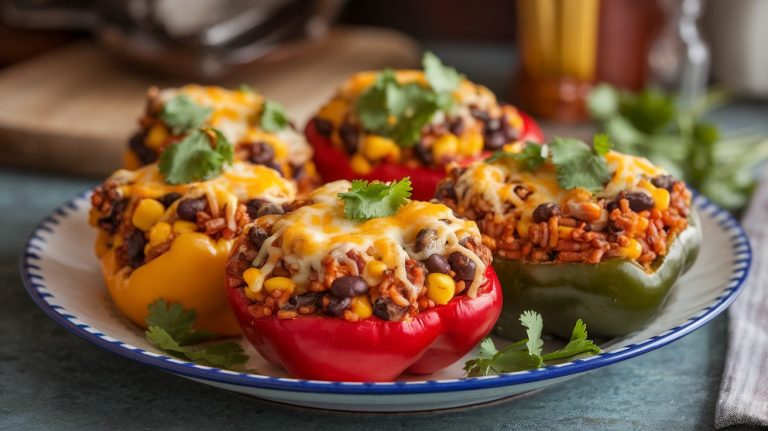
[(614, 297)]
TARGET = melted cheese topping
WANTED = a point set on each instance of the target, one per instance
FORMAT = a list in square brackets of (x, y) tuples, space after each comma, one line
[(495, 183), (237, 114), (311, 233)]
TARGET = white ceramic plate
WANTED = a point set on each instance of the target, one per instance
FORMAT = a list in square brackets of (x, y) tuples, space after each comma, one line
[(61, 274)]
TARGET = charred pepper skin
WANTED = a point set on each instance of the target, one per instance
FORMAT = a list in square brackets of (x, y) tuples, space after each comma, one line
[(614, 298), (334, 164), (368, 350)]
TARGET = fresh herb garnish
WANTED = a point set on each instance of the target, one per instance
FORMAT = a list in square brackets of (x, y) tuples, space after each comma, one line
[(527, 354), (194, 158), (273, 118), (245, 88), (366, 200), (181, 114), (650, 124), (171, 328), (576, 164), (410, 105)]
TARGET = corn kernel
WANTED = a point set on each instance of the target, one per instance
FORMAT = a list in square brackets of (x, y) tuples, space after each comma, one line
[(284, 284), (147, 213), (159, 233), (334, 111), (564, 232), (361, 306), (183, 226), (375, 269), (661, 199), (360, 165), (471, 144), (378, 147), (251, 277), (522, 228), (440, 288), (445, 146), (633, 250), (156, 136)]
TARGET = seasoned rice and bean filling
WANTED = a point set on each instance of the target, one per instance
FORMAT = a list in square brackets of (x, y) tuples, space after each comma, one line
[(257, 127), (139, 215), (527, 215), (314, 261)]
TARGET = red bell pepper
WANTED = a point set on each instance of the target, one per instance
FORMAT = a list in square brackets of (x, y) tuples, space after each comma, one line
[(327, 348), (333, 163)]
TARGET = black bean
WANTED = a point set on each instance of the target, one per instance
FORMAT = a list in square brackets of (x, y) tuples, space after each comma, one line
[(350, 137), (134, 248), (336, 305), (664, 182), (426, 238), (307, 299), (456, 126), (323, 127), (269, 208), (298, 171), (188, 208), (445, 190), (545, 211), (491, 126), (495, 140), (479, 114), (145, 154), (257, 236), (385, 309), (276, 167), (639, 201), (462, 265), (111, 222), (253, 205), (262, 153), (349, 286), (423, 153), (509, 132), (169, 198), (437, 263)]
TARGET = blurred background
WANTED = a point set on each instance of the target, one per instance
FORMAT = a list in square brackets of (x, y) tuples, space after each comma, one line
[(680, 81)]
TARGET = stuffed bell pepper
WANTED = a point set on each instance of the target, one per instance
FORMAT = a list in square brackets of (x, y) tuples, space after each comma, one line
[(578, 232), (361, 284), (165, 230), (393, 124), (258, 127)]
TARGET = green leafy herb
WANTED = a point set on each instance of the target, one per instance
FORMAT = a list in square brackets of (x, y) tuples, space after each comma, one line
[(245, 88), (171, 328), (366, 200), (532, 156), (194, 159), (411, 105), (650, 124), (578, 165), (601, 144), (273, 118), (181, 114), (526, 354)]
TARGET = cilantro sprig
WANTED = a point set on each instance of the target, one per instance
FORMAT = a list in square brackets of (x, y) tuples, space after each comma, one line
[(181, 114), (171, 328), (273, 118), (365, 200), (410, 105), (527, 354), (576, 163), (194, 158)]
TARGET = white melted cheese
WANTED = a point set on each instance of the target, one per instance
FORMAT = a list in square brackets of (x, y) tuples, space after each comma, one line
[(312, 232), (495, 183)]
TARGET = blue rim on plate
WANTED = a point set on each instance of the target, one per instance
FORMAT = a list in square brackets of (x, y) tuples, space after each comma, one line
[(35, 285)]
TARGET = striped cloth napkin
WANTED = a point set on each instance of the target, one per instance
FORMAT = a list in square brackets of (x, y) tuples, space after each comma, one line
[(744, 389)]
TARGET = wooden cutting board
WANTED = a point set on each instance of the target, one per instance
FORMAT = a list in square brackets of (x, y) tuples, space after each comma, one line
[(73, 109)]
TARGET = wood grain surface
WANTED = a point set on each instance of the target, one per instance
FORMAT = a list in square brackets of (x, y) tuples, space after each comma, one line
[(73, 109)]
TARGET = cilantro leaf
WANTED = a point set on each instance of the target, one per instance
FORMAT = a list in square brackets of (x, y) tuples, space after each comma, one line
[(273, 118), (601, 144), (443, 79), (577, 165), (532, 156), (181, 114), (171, 328), (192, 159), (372, 106), (365, 200), (526, 354)]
